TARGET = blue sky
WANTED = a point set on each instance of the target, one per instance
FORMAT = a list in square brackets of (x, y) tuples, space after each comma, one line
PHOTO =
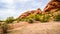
[(17, 7)]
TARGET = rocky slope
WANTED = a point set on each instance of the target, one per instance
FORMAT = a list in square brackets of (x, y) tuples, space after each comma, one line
[(30, 12), (53, 4)]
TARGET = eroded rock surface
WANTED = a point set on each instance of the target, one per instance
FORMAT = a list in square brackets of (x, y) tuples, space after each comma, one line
[(30, 12), (53, 4)]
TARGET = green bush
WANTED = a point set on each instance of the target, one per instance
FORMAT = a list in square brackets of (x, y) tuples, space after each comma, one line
[(38, 17), (29, 18), (4, 27), (9, 20), (43, 18), (57, 17), (0, 24)]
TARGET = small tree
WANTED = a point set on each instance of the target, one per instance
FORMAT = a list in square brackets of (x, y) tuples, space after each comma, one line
[(9, 20)]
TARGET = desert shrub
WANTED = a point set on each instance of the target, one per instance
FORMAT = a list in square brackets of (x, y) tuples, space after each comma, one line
[(4, 27), (37, 17), (44, 18), (23, 19), (29, 18), (0, 24), (57, 17), (18, 19), (9, 20)]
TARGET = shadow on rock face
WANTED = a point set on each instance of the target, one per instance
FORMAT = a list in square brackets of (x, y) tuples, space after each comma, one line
[(56, 0)]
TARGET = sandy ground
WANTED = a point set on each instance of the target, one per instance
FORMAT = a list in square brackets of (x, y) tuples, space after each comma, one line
[(1, 30), (37, 28)]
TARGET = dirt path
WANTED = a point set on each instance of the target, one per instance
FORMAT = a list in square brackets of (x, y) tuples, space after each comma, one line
[(38, 28)]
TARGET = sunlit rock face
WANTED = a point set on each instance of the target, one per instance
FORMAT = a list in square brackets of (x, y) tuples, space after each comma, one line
[(30, 12), (56, 0), (53, 4)]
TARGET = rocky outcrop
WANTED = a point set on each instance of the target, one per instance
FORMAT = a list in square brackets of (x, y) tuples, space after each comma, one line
[(53, 4), (30, 12)]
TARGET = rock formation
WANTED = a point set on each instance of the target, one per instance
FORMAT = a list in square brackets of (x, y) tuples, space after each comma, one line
[(53, 4), (30, 12)]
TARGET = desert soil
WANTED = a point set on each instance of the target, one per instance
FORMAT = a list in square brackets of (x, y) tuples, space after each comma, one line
[(37, 28)]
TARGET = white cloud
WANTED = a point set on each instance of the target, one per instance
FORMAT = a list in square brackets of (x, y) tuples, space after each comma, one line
[(7, 1), (32, 4), (17, 7), (7, 12), (7, 4), (23, 1), (36, 4)]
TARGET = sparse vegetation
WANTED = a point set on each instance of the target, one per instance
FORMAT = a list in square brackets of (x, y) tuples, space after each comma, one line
[(9, 20), (29, 19), (37, 17), (43, 17), (57, 17), (4, 27)]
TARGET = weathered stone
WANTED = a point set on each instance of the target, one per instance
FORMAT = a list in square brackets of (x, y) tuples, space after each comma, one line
[(53, 4), (30, 12)]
